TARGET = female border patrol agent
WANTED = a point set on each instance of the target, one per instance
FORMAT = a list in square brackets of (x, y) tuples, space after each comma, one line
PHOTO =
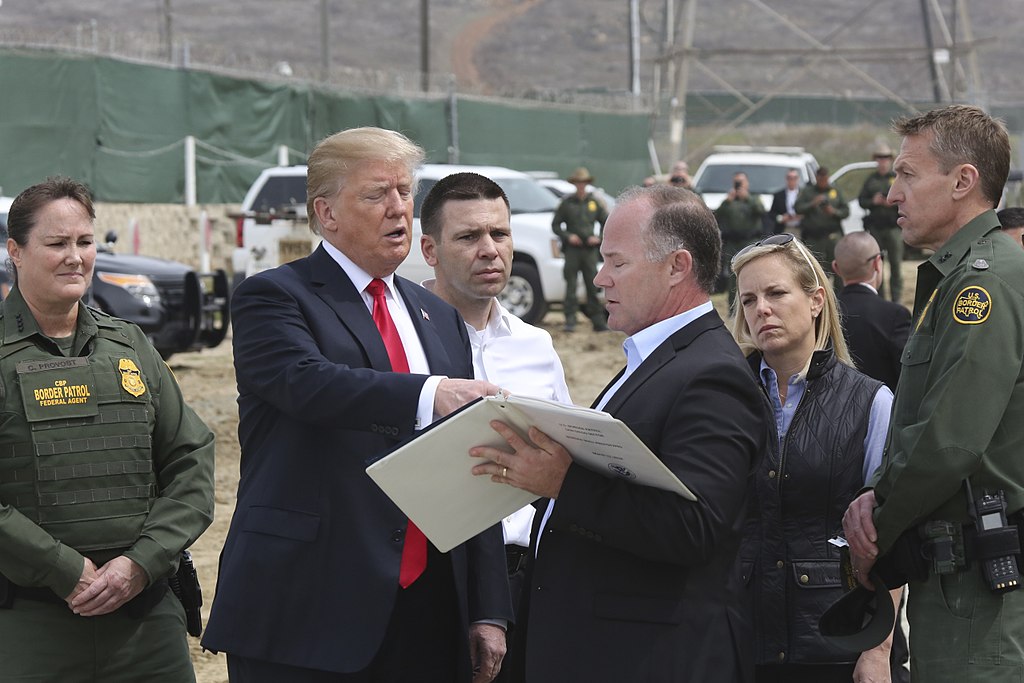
[(105, 474)]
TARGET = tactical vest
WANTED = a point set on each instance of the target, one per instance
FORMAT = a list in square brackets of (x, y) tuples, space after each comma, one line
[(75, 441)]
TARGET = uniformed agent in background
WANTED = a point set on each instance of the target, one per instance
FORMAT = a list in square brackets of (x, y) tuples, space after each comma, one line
[(823, 209), (574, 222), (740, 218), (881, 216), (958, 414), (105, 474)]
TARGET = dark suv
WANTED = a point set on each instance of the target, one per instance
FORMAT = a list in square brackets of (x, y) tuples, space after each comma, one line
[(178, 308)]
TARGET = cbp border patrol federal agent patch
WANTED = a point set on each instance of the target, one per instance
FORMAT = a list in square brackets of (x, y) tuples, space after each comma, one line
[(972, 305)]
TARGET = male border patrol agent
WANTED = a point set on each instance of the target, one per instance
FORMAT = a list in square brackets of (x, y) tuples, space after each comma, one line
[(574, 222), (823, 208), (881, 216), (740, 219), (958, 416)]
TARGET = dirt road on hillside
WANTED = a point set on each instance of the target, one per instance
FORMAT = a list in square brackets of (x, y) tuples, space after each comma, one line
[(470, 37)]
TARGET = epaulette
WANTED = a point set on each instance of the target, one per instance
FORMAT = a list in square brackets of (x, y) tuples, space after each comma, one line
[(981, 254)]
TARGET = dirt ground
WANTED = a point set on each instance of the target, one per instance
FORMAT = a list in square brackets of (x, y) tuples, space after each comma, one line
[(208, 382)]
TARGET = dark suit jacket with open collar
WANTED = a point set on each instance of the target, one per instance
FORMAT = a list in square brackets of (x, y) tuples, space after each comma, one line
[(876, 332), (637, 584), (309, 572), (772, 224)]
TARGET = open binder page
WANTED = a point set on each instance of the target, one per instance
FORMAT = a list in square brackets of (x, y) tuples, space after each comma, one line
[(429, 478)]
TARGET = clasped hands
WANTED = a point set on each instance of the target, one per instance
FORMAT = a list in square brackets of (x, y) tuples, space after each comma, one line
[(102, 590), (537, 466)]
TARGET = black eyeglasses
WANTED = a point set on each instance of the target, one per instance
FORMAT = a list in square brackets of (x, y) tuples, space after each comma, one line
[(879, 255), (779, 240)]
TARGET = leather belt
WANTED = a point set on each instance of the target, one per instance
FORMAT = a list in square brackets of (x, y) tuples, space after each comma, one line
[(137, 606)]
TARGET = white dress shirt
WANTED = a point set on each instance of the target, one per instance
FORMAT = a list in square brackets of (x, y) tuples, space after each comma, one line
[(414, 352)]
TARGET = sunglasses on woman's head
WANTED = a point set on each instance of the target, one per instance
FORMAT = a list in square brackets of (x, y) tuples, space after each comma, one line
[(779, 240)]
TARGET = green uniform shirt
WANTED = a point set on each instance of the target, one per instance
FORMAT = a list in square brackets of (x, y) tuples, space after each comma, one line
[(182, 454), (815, 222), (959, 406), (878, 216), (740, 220), (577, 216)]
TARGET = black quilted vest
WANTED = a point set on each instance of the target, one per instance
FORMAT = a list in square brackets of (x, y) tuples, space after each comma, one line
[(799, 493)]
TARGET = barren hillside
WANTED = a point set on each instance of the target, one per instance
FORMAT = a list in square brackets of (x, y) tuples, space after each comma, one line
[(512, 46)]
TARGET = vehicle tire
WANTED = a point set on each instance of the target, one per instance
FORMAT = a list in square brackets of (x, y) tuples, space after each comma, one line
[(523, 295)]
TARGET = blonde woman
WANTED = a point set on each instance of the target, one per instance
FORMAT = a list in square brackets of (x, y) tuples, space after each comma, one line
[(831, 422)]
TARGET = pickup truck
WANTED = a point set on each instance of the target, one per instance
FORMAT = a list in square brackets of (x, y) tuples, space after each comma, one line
[(178, 309)]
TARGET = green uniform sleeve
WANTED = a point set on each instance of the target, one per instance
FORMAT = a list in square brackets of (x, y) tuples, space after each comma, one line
[(602, 213), (183, 460), (950, 415), (803, 200), (32, 557), (842, 208), (557, 220), (866, 198)]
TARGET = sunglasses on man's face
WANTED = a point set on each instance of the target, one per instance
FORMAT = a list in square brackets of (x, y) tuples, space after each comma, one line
[(779, 240)]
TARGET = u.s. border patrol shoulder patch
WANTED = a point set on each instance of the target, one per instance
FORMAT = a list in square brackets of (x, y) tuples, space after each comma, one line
[(972, 306)]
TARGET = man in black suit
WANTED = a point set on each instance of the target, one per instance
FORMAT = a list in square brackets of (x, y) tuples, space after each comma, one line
[(783, 217), (1012, 221), (633, 583), (322, 578), (876, 329)]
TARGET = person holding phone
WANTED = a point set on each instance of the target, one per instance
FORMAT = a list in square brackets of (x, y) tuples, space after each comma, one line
[(740, 220)]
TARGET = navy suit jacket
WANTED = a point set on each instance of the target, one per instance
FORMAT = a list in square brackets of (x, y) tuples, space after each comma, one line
[(309, 572), (636, 584), (876, 332)]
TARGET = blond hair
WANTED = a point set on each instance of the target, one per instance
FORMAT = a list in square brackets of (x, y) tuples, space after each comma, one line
[(828, 329), (334, 156)]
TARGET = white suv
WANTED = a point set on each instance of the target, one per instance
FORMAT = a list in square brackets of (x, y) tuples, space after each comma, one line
[(765, 168), (273, 229)]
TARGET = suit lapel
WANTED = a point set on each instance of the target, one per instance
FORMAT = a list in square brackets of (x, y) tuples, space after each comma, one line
[(661, 356), (332, 285), (597, 401), (433, 346)]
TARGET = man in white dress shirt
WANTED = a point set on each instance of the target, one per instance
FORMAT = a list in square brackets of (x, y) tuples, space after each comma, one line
[(467, 239)]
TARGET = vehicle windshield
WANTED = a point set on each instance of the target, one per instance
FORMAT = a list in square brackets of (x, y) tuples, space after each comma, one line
[(763, 179), (280, 193), (525, 195)]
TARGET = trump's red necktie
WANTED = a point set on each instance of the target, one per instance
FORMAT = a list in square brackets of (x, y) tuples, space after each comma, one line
[(414, 550)]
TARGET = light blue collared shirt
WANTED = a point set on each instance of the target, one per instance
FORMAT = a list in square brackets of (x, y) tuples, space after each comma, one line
[(638, 348), (642, 344)]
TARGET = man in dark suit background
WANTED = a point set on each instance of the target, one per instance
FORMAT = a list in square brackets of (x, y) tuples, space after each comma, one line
[(783, 217), (876, 329), (337, 360), (1012, 221), (633, 583)]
